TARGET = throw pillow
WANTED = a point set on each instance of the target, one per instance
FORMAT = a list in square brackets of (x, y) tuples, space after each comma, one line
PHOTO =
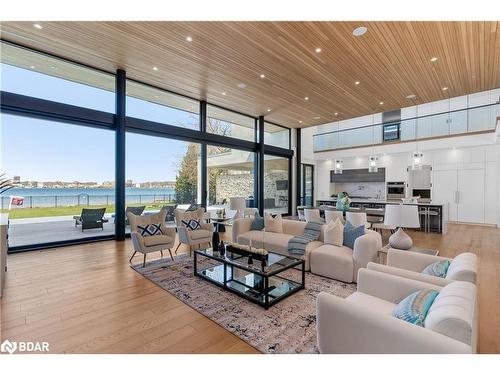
[(149, 230), (351, 233), (257, 223), (438, 269), (414, 308), (192, 224), (334, 233), (273, 224)]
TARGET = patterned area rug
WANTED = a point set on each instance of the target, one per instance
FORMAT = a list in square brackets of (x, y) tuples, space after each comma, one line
[(287, 327)]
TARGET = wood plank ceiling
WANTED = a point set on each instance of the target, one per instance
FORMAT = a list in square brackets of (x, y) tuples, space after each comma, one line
[(390, 61)]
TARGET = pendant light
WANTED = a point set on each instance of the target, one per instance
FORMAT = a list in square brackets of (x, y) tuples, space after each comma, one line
[(372, 160), (338, 166), (417, 157), (338, 162)]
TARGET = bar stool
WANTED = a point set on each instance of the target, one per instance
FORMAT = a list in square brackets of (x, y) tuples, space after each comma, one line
[(357, 218)]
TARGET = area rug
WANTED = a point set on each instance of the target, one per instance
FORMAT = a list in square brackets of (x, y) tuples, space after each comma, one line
[(287, 327)]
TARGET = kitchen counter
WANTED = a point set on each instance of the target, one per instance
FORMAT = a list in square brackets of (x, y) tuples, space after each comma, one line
[(433, 215), (378, 201)]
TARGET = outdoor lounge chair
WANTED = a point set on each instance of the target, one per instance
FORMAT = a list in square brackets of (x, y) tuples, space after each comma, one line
[(170, 216), (135, 210), (91, 218)]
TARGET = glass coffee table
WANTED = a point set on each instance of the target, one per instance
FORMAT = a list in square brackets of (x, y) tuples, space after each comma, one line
[(264, 284)]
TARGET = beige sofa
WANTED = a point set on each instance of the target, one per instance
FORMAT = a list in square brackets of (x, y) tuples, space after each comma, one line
[(411, 264), (337, 262), (363, 322)]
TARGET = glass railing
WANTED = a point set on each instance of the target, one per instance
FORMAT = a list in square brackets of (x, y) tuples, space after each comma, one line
[(466, 121)]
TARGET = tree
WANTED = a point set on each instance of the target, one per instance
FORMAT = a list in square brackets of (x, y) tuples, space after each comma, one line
[(186, 181)]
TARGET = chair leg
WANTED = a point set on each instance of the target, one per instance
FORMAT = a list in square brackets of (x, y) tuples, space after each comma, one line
[(130, 260), (177, 248), (144, 261), (161, 252), (170, 251)]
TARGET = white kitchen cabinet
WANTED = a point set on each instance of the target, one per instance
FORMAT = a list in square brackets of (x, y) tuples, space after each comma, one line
[(491, 193), (396, 172), (444, 188), (470, 197)]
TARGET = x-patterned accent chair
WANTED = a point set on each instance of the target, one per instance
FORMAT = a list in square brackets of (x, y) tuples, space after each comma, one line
[(149, 233), (192, 230)]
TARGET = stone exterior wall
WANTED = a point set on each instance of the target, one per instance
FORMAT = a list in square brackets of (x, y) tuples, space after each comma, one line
[(241, 185), (233, 185)]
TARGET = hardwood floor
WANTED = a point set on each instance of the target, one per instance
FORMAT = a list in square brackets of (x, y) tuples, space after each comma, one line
[(86, 299)]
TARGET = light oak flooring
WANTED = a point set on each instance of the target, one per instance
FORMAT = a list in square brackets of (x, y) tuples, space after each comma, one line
[(86, 299)]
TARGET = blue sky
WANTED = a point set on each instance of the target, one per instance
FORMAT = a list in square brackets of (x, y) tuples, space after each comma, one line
[(47, 151)]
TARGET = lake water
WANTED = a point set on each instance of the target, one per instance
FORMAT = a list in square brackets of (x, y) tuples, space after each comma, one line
[(50, 197)]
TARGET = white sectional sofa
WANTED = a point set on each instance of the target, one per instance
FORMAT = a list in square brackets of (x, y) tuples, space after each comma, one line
[(410, 265), (337, 262), (363, 322)]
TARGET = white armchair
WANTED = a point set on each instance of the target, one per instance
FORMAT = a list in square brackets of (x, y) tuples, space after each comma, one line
[(148, 244), (196, 237), (363, 322), (410, 264)]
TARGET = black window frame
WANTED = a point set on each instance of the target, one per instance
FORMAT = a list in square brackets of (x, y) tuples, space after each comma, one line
[(120, 123)]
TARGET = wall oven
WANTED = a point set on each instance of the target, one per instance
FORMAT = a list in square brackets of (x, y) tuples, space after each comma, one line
[(396, 190)]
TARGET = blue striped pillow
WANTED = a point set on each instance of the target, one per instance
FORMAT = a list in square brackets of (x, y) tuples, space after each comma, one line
[(439, 269), (414, 308)]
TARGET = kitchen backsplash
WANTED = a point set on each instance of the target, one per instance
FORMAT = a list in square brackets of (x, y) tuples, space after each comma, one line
[(360, 189)]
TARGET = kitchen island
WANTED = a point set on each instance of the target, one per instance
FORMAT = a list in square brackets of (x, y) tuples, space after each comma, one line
[(433, 216)]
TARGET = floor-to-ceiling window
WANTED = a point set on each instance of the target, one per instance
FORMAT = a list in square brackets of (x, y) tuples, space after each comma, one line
[(230, 174), (60, 171), (277, 169), (276, 184), (161, 172)]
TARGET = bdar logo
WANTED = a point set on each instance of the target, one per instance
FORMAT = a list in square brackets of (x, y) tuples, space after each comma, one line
[(9, 347)]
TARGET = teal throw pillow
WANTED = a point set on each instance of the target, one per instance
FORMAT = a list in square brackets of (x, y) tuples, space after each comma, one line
[(414, 308), (257, 223), (351, 233), (439, 269)]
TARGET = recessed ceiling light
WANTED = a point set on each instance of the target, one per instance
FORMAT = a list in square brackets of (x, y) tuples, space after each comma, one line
[(318, 50), (32, 67), (336, 113), (224, 93), (306, 98), (316, 117), (356, 83), (262, 76), (54, 67), (434, 59), (269, 110), (155, 68), (38, 26), (411, 96), (300, 121), (358, 31), (445, 88), (189, 39), (242, 85), (381, 103)]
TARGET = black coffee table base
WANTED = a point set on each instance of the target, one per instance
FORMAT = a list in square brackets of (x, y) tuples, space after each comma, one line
[(262, 288)]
